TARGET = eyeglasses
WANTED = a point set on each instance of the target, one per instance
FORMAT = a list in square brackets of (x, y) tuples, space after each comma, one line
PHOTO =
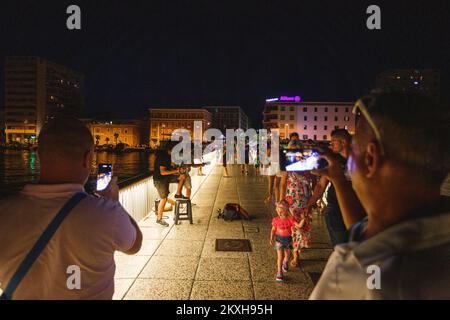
[(359, 105)]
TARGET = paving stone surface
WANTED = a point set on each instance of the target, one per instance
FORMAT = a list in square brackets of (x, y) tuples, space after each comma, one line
[(180, 262)]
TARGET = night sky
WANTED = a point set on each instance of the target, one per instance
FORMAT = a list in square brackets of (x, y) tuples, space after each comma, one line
[(138, 54)]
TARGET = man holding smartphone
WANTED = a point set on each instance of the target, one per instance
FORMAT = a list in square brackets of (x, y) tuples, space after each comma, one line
[(89, 234), (399, 239), (340, 145)]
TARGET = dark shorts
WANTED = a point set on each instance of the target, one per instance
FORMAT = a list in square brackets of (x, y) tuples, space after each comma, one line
[(283, 243), (162, 186)]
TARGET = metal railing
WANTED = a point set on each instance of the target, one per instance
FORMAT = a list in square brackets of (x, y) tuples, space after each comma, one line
[(138, 194)]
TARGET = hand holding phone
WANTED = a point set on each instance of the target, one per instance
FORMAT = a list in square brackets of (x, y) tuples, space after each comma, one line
[(104, 175), (334, 169), (300, 160), (111, 191)]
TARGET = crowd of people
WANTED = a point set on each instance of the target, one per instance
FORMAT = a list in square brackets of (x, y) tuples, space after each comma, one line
[(387, 220), (297, 193)]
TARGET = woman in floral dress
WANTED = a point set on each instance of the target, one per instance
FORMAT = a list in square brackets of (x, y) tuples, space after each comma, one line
[(298, 193)]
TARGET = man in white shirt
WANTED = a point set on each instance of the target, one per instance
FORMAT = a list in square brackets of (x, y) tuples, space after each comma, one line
[(398, 161), (84, 244)]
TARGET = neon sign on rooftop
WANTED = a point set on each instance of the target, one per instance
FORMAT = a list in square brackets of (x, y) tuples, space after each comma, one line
[(285, 99)]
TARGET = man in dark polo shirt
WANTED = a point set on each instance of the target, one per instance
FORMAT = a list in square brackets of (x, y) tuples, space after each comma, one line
[(165, 174)]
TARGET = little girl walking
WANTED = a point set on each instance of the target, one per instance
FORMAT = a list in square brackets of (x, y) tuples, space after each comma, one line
[(281, 237)]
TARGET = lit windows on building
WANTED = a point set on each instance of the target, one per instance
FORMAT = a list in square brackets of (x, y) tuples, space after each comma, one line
[(313, 122)]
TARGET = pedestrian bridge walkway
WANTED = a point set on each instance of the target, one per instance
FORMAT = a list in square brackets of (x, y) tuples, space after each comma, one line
[(180, 262)]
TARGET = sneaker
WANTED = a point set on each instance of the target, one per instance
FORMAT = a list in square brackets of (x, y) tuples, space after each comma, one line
[(285, 266), (162, 222), (279, 277), (180, 196)]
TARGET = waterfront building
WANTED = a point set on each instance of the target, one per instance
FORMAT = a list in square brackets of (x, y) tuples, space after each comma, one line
[(163, 121), (35, 91), (311, 120), (130, 132)]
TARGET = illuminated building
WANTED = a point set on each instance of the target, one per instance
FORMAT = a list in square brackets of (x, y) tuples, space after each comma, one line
[(129, 132), (311, 120), (35, 91), (163, 121)]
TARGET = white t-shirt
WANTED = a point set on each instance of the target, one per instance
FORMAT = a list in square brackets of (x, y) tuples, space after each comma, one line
[(87, 238)]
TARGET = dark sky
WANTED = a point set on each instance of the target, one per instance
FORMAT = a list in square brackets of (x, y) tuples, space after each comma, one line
[(137, 54)]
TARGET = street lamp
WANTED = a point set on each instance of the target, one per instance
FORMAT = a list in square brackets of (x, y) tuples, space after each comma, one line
[(25, 122)]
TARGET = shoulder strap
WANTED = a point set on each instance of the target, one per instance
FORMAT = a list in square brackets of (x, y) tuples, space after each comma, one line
[(34, 253)]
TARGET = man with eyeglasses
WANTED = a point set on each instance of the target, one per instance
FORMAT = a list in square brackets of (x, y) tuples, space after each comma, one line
[(399, 158)]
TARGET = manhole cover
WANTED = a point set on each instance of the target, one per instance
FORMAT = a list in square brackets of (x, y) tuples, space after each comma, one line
[(241, 245)]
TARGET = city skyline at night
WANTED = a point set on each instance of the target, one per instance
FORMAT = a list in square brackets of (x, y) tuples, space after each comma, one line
[(174, 54)]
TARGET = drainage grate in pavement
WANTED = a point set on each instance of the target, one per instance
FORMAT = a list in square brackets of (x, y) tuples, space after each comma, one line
[(240, 245), (251, 229), (315, 276)]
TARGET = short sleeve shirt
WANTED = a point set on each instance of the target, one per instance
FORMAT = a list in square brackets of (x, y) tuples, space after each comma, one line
[(162, 160), (87, 239), (283, 226)]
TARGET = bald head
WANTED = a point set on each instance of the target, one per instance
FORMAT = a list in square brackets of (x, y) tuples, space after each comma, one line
[(65, 139), (65, 148)]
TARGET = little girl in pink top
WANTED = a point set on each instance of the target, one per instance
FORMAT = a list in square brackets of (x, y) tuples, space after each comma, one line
[(281, 237)]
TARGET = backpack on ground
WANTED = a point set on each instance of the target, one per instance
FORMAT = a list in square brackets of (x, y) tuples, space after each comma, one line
[(233, 211)]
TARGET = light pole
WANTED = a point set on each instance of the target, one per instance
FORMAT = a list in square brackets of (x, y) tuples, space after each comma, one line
[(25, 122)]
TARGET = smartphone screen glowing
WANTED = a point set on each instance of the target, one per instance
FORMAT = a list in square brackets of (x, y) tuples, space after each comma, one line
[(104, 175)]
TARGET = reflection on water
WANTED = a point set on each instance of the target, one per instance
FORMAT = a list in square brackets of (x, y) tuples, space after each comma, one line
[(20, 167)]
